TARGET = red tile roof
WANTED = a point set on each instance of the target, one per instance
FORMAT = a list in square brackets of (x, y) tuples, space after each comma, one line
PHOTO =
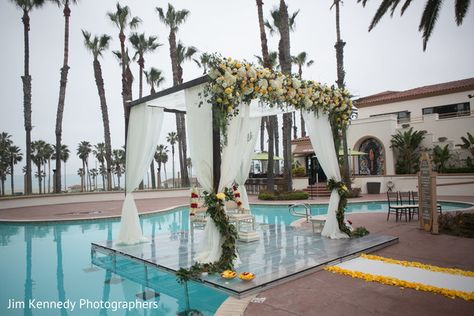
[(417, 93)]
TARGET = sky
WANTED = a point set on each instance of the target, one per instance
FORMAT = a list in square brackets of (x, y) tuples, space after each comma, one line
[(390, 57)]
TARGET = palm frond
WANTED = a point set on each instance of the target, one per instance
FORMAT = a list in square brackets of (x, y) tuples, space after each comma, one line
[(428, 19), (460, 10), (405, 6)]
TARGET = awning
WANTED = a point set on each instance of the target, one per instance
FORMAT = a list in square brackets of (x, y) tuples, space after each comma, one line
[(264, 156)]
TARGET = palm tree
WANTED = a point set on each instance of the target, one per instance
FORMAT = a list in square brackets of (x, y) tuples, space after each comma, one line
[(5, 143), (161, 156), (173, 19), (62, 90), (284, 24), (203, 62), (81, 173), (428, 17), (441, 157), (300, 60), (48, 154), (37, 156), (26, 6), (119, 162), (83, 150), (94, 174), (122, 19), (273, 60), (154, 78), (15, 156), (267, 60), (184, 53), (468, 143), (339, 46), (172, 138), (407, 147), (97, 46), (63, 156), (99, 153), (142, 45)]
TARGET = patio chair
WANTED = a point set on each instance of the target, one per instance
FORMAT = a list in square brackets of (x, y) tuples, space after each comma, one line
[(414, 195), (414, 201), (393, 205), (405, 200)]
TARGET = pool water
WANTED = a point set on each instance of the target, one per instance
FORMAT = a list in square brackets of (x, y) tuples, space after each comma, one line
[(50, 263)]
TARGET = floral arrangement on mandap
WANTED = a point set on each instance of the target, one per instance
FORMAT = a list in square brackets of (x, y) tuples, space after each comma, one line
[(233, 82)]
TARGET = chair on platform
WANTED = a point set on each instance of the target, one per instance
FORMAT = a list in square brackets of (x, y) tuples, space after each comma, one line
[(393, 205)]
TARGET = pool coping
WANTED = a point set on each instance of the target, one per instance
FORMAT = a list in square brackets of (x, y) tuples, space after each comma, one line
[(166, 209)]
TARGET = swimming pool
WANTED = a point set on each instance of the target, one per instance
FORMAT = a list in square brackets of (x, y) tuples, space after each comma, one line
[(50, 263)]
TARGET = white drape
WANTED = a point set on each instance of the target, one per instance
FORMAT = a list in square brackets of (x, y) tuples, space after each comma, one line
[(249, 138), (199, 127), (320, 134), (143, 134)]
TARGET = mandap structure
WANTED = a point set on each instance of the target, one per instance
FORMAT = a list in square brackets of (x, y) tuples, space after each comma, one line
[(223, 111)]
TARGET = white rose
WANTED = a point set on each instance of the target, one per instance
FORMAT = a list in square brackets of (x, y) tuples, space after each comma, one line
[(296, 83), (214, 73), (251, 73), (242, 72), (263, 84), (229, 79)]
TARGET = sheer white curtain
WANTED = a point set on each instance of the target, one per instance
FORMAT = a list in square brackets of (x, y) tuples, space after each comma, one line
[(249, 138), (199, 128), (320, 134), (143, 134)]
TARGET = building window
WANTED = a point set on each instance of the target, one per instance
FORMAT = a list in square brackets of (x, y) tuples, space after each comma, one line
[(373, 162), (402, 116), (450, 110)]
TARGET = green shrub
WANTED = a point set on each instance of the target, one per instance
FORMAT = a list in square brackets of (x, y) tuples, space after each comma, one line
[(458, 224), (359, 232), (298, 172), (354, 193), (295, 195), (459, 170)]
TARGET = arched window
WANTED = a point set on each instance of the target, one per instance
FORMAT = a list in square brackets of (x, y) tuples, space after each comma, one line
[(373, 163)]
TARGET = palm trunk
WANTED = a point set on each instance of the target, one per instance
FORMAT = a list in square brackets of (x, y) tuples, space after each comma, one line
[(26, 79), (159, 175), (12, 174), (272, 121), (295, 129), (180, 119), (83, 173), (62, 97), (172, 164), (65, 187), (276, 139), (303, 127), (152, 174), (39, 177), (3, 186), (125, 96), (103, 175), (285, 63), (339, 46), (105, 119), (49, 176), (262, 134)]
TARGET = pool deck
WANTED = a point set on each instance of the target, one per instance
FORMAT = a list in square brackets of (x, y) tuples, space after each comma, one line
[(318, 293)]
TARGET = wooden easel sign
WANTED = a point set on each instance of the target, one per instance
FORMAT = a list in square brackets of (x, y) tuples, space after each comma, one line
[(427, 199)]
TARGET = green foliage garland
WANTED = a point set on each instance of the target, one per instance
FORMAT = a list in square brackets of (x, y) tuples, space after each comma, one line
[(215, 209), (342, 191)]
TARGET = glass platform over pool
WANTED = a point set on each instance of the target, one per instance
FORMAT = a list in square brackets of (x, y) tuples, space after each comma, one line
[(283, 253)]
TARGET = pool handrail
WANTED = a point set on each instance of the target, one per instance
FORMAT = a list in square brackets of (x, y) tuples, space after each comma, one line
[(307, 207)]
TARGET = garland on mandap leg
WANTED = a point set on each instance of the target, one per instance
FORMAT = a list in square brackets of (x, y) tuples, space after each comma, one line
[(342, 191), (216, 210)]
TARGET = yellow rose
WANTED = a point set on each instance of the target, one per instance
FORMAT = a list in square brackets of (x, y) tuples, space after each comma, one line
[(228, 90), (220, 196)]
